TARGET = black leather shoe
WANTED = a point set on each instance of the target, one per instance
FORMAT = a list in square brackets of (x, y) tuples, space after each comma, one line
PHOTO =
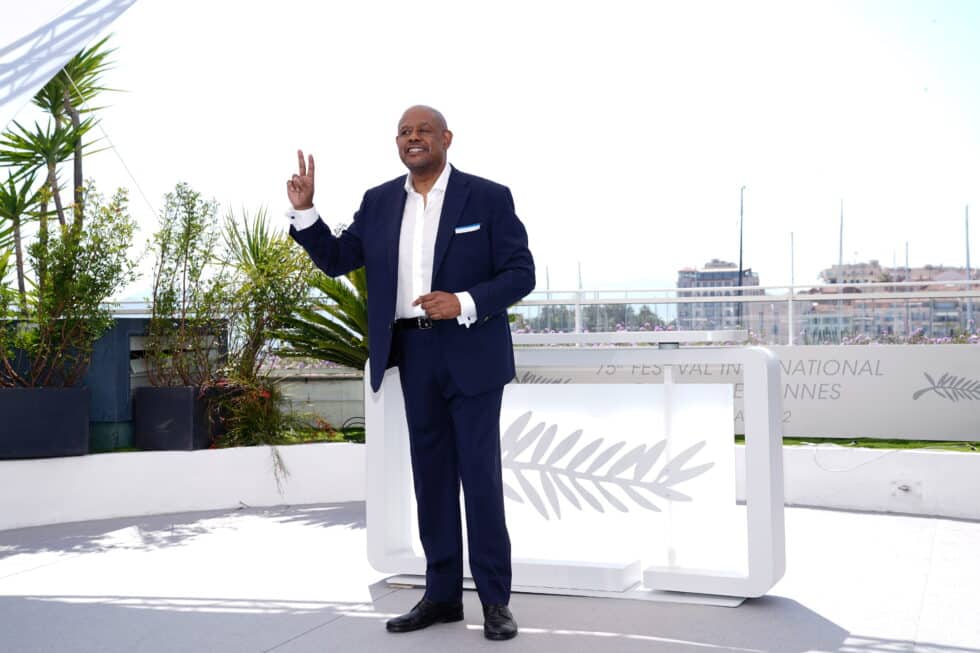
[(424, 614), (498, 622)]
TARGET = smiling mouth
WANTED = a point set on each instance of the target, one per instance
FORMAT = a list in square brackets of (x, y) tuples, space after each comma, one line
[(415, 150)]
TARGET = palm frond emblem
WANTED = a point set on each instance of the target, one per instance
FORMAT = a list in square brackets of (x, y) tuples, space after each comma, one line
[(565, 469), (950, 387)]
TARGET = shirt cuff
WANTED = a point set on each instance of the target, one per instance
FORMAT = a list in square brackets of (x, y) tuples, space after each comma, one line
[(467, 309), (302, 219)]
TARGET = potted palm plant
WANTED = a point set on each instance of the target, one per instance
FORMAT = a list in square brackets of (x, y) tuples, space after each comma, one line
[(269, 280)]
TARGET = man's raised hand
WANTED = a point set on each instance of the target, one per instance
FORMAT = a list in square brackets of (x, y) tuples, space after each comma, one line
[(300, 187)]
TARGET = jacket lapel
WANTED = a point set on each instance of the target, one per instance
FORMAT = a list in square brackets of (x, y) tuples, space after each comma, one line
[(393, 213), (452, 207)]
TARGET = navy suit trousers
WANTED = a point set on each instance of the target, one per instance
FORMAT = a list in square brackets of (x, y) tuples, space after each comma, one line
[(454, 438)]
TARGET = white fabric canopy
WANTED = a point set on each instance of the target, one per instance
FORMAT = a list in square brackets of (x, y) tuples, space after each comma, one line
[(39, 36)]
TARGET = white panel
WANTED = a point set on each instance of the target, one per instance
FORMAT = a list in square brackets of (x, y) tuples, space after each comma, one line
[(554, 511), (929, 392), (922, 392)]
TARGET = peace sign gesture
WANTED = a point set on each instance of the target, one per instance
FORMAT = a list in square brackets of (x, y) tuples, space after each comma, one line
[(300, 187)]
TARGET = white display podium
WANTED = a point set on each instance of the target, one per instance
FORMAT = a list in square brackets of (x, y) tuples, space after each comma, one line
[(619, 481)]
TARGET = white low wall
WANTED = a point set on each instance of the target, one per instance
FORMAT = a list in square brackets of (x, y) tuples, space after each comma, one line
[(56, 490), (37, 492), (911, 481)]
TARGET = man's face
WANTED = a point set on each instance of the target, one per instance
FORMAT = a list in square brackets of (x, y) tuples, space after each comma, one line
[(422, 141)]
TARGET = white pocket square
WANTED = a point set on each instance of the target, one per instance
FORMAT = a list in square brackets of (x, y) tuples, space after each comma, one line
[(465, 229)]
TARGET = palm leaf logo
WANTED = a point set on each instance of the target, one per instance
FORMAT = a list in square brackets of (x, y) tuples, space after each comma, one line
[(951, 387), (579, 480)]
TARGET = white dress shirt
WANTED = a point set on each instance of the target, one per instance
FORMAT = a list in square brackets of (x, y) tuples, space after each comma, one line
[(416, 247)]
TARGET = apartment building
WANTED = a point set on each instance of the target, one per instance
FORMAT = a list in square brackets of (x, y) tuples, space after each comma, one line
[(717, 279)]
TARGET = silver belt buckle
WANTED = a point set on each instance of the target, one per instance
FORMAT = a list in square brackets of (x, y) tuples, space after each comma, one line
[(424, 322)]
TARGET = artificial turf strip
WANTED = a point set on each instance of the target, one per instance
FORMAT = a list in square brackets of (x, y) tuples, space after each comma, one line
[(869, 443)]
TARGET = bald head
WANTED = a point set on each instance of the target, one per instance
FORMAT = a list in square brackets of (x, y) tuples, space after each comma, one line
[(435, 115)]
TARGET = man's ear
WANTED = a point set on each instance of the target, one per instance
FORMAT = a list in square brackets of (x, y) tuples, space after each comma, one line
[(447, 137)]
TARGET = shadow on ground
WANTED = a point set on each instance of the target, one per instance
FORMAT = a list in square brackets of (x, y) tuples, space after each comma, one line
[(162, 531)]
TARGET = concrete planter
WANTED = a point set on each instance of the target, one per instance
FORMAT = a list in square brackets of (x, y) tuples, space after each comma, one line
[(170, 419), (43, 422), (37, 492)]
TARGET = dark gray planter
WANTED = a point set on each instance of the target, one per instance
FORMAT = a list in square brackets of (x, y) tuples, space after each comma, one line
[(43, 422), (170, 419)]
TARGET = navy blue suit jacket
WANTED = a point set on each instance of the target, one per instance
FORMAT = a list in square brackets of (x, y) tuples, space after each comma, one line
[(492, 263)]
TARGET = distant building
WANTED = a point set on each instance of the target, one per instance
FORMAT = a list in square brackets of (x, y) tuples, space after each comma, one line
[(716, 279), (873, 272), (870, 272), (852, 313)]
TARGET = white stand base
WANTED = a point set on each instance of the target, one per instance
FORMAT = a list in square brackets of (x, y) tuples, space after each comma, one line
[(636, 593), (598, 513)]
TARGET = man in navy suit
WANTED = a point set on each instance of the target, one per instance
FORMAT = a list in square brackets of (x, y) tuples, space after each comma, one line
[(445, 255)]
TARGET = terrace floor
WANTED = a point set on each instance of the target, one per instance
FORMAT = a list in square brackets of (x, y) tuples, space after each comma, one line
[(296, 579)]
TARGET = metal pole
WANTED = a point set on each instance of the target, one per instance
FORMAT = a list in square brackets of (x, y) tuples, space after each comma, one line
[(547, 308), (741, 206), (840, 252), (908, 277), (969, 276), (792, 283), (840, 274)]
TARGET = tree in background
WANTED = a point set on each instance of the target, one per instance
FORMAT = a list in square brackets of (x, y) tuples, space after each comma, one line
[(65, 97), (184, 335), (50, 322), (49, 341), (64, 100), (17, 207)]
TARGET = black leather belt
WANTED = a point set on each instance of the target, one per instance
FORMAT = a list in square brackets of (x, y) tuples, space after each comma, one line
[(413, 323)]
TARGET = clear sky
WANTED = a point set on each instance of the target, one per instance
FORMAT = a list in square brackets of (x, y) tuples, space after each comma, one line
[(624, 129)]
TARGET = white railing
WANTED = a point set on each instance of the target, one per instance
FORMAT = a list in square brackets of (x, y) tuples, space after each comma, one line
[(665, 339), (783, 314), (772, 314)]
